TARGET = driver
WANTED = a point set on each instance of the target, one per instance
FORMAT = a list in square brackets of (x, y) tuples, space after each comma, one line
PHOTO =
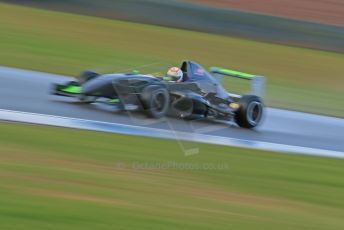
[(174, 74)]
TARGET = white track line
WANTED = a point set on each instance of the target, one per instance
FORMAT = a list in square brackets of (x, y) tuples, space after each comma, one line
[(43, 119)]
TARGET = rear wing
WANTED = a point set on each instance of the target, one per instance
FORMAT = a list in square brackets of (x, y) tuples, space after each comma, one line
[(257, 82)]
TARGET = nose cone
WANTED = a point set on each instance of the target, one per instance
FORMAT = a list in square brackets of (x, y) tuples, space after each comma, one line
[(99, 86)]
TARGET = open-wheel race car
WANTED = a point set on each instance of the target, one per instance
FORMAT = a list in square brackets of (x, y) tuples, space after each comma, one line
[(198, 94)]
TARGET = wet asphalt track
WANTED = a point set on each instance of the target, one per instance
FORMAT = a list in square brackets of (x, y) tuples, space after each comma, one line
[(28, 91)]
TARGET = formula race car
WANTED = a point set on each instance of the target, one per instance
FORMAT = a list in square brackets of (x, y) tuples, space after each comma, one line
[(199, 94)]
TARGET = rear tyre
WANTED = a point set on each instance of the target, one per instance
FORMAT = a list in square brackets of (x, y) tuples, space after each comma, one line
[(250, 112), (155, 100), (87, 75)]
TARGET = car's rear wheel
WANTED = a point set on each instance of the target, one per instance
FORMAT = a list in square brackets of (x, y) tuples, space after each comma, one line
[(155, 100), (250, 112)]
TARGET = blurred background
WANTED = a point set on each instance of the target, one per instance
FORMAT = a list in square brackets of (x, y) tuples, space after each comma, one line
[(298, 45), (57, 178)]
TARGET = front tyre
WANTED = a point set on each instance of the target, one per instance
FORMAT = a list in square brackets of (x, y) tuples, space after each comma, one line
[(86, 76), (155, 100), (250, 112)]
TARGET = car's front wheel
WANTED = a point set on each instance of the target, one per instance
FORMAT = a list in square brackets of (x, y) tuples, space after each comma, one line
[(155, 100), (86, 76), (250, 112)]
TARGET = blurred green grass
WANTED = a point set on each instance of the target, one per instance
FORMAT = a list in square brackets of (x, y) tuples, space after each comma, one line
[(299, 79), (53, 178)]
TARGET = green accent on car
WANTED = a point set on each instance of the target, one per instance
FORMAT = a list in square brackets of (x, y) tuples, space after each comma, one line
[(136, 72), (167, 78), (232, 73), (115, 100), (71, 89)]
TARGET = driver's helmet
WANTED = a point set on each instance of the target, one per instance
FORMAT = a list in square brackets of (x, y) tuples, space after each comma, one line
[(175, 74)]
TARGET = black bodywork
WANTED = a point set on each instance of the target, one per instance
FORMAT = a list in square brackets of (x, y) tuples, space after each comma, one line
[(198, 95)]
